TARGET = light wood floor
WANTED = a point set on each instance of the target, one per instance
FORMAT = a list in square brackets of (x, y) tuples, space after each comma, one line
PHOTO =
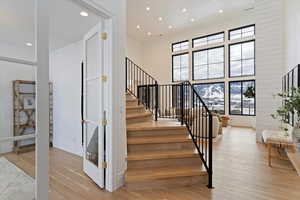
[(240, 173)]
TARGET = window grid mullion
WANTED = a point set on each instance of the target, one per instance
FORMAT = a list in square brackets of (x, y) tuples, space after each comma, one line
[(207, 54), (241, 59)]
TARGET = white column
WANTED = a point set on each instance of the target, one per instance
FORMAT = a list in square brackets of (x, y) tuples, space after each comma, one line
[(42, 99), (269, 61)]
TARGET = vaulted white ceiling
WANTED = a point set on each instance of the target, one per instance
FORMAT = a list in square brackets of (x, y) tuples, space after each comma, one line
[(173, 17), (66, 26)]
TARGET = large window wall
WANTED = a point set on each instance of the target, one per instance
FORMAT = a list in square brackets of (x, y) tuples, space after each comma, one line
[(208, 63), (221, 66)]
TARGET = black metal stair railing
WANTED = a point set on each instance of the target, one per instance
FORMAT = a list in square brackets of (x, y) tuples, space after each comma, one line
[(142, 85), (181, 101), (175, 101), (199, 122)]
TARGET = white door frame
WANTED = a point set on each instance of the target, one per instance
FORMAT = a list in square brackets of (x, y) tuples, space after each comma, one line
[(109, 20), (95, 172), (42, 89)]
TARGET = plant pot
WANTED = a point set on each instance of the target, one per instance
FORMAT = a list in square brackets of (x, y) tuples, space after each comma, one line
[(225, 120)]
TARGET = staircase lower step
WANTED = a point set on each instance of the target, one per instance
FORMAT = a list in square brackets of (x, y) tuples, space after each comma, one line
[(138, 117), (131, 102), (179, 162), (159, 140), (148, 174), (156, 129), (164, 143), (135, 109), (148, 147), (161, 155)]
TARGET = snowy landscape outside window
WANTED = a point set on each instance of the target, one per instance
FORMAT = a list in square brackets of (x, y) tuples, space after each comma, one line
[(212, 95)]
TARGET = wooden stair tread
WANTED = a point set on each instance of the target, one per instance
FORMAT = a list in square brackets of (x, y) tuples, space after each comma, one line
[(154, 155), (163, 173), (158, 140), (131, 100), (156, 125), (134, 107), (138, 115)]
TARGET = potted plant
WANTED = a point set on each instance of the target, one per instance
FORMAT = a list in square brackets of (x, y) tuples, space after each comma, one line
[(250, 93), (290, 104)]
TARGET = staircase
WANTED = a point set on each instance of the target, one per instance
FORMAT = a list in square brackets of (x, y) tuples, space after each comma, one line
[(165, 147), (160, 153)]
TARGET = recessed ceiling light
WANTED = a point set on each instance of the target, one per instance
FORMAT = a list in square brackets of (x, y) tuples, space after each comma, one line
[(84, 14), (170, 27), (29, 44), (149, 33), (221, 11), (183, 10), (160, 19), (192, 19), (147, 8), (138, 26)]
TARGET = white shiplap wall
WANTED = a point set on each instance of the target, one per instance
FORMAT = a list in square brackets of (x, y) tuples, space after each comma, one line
[(269, 60)]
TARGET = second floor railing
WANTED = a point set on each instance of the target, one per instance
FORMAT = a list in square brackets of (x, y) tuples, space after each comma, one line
[(142, 85)]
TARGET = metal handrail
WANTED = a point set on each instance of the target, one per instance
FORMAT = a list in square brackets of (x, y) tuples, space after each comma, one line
[(177, 101)]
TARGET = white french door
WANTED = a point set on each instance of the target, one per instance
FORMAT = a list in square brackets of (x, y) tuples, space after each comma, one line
[(93, 158)]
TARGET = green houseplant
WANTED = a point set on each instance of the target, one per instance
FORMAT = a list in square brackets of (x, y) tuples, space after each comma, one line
[(290, 104), (250, 93)]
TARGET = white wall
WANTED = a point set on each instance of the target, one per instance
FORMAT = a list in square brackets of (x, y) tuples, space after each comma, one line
[(269, 60), (292, 39), (157, 54), (17, 51), (134, 51), (65, 73), (9, 73)]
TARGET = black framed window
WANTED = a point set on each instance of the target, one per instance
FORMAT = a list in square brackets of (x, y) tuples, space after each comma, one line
[(208, 63), (213, 95), (242, 59), (242, 98), (180, 46), (180, 66), (209, 39), (242, 32), (289, 81)]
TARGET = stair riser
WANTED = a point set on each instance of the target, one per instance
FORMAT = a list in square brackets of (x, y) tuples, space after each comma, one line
[(140, 119), (136, 110), (167, 184), (131, 103), (157, 133), (129, 97), (164, 146), (195, 161)]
